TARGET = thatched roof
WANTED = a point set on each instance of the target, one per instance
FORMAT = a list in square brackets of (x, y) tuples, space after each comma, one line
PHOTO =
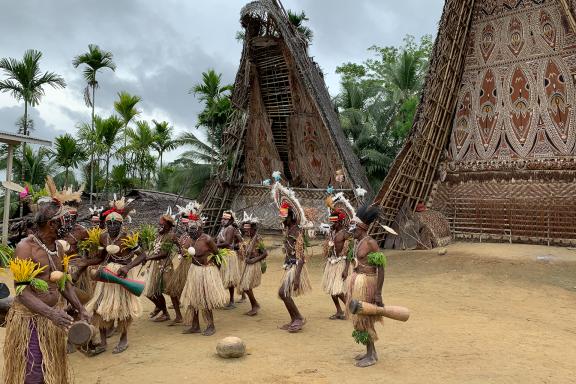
[(256, 15)]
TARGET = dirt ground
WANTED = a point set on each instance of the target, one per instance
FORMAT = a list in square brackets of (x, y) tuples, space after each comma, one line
[(482, 313)]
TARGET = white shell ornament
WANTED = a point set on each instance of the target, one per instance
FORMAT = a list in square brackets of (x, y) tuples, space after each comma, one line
[(112, 249), (191, 251), (55, 276)]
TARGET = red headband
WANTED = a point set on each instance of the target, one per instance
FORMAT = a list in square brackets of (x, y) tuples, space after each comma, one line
[(337, 215)]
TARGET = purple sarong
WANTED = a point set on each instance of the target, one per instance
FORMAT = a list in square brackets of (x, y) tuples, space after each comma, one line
[(34, 374)]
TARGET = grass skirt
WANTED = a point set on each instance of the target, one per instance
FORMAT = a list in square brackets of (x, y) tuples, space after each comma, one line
[(111, 302), (363, 287), (178, 278), (203, 289), (230, 271), (287, 285), (159, 273), (251, 276), (85, 285), (52, 341), (332, 282)]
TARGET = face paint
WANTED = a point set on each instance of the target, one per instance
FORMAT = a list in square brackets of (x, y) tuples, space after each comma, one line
[(113, 227), (63, 225), (194, 230)]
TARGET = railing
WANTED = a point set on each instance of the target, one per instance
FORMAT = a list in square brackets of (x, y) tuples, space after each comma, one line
[(538, 220)]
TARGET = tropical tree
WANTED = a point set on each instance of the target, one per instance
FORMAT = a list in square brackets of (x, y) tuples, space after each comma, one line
[(89, 136), (163, 139), (140, 140), (32, 165), (217, 108), (67, 154), (378, 100), (108, 132), (297, 20), (200, 152), (94, 60), (25, 81), (125, 106)]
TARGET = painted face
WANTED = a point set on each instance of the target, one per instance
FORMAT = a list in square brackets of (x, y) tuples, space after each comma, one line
[(248, 230), (73, 217), (163, 226), (113, 227), (194, 230), (225, 222), (62, 225)]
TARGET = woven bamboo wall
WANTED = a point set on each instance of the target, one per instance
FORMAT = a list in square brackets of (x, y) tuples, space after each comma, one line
[(510, 169)]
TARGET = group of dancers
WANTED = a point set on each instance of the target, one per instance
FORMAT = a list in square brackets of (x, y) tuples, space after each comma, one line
[(58, 272)]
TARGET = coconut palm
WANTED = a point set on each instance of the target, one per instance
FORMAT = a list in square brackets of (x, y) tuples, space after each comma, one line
[(67, 154), (94, 60), (32, 166), (25, 82), (125, 106), (217, 109), (107, 138), (297, 20), (163, 140), (140, 140), (89, 137)]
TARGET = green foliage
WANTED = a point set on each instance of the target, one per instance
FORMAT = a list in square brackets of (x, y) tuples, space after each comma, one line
[(35, 163), (263, 266), (297, 20), (184, 177), (361, 337), (168, 247), (6, 254), (38, 284), (377, 259), (67, 154), (350, 252), (378, 101), (148, 234)]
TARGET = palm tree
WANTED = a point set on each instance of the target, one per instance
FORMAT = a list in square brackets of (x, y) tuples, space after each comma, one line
[(163, 140), (139, 142), (297, 20), (217, 107), (95, 59), (89, 136), (25, 82), (200, 152), (68, 154), (32, 166), (108, 135), (125, 106)]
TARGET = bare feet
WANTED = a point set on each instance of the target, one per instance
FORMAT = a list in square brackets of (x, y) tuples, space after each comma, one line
[(367, 361), (296, 326), (253, 311), (121, 347), (209, 331), (230, 306), (176, 321), (338, 316), (285, 326), (360, 356), (191, 330), (154, 313), (162, 318), (241, 300)]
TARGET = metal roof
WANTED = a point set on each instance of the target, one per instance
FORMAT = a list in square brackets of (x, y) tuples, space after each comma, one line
[(15, 139)]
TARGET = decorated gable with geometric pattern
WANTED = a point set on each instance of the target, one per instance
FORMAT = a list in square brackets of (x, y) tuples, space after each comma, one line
[(517, 102)]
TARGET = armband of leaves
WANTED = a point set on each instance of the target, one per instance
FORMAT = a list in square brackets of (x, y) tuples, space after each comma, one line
[(168, 247), (25, 272), (131, 242), (260, 247), (350, 252), (377, 259)]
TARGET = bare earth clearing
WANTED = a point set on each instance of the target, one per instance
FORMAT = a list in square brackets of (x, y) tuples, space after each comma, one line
[(482, 313)]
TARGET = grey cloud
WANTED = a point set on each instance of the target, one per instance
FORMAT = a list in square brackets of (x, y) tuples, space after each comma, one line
[(161, 48)]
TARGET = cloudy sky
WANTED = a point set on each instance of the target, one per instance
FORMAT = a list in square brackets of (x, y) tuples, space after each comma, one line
[(161, 48)]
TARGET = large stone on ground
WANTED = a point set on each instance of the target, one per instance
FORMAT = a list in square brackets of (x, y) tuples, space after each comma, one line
[(231, 347)]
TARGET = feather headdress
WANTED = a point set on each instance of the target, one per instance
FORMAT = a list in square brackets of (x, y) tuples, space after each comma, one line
[(191, 212), (120, 206), (168, 216), (250, 219), (340, 205), (285, 198), (64, 196)]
